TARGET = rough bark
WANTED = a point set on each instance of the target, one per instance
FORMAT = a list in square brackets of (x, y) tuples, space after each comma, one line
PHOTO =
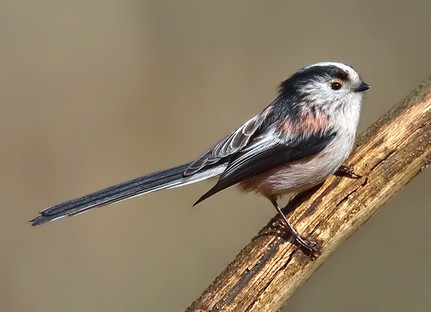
[(388, 155)]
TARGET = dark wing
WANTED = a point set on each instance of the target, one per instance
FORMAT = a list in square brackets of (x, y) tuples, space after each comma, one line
[(268, 152), (230, 144)]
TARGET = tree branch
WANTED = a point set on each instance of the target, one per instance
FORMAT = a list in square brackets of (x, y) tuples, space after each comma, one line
[(388, 155)]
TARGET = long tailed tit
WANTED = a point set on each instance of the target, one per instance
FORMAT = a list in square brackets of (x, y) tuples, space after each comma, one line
[(295, 143)]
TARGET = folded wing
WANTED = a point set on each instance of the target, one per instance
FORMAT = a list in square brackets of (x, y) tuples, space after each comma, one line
[(267, 152)]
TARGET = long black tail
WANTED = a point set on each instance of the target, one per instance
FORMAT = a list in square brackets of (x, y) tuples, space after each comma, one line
[(164, 179)]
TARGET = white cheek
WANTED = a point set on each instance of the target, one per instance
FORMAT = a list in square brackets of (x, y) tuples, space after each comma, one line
[(352, 108)]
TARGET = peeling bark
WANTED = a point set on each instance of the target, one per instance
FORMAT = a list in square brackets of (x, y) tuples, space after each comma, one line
[(388, 155)]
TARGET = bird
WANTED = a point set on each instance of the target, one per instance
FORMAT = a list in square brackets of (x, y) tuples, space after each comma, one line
[(295, 143)]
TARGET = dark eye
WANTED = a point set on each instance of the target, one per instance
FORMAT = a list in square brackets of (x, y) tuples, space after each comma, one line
[(336, 85)]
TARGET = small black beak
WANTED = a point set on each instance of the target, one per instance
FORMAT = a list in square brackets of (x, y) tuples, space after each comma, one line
[(362, 87)]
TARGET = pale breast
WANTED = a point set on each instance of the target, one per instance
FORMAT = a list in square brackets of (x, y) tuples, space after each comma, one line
[(303, 174)]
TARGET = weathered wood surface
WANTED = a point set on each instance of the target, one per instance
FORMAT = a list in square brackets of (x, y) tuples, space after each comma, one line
[(388, 155)]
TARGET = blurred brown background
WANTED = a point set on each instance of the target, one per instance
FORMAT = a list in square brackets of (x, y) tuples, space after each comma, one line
[(97, 92)]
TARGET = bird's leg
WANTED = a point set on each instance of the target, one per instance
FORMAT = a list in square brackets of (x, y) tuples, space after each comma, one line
[(307, 245), (345, 171)]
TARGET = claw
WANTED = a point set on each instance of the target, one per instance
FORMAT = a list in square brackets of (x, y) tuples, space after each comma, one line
[(348, 172), (310, 248)]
